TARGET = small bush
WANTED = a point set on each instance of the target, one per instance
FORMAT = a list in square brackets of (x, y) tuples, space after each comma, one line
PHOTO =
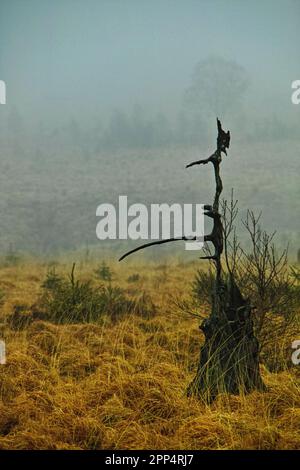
[(115, 303), (104, 273), (73, 301), (133, 278), (52, 280)]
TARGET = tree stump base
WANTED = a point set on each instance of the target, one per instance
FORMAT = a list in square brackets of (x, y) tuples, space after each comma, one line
[(229, 358)]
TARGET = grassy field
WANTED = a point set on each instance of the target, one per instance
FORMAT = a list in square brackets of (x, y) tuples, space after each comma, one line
[(121, 384)]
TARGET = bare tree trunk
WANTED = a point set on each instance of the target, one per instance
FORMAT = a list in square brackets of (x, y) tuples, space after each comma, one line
[(229, 358)]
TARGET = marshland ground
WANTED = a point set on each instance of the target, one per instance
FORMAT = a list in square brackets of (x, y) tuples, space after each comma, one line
[(119, 380), (117, 101)]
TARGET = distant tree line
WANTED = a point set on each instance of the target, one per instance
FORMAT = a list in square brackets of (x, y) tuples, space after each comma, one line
[(218, 87)]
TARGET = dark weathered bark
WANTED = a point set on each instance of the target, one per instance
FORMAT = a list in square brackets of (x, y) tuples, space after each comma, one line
[(229, 358)]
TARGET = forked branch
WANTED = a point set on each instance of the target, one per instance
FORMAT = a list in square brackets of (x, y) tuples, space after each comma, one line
[(216, 236)]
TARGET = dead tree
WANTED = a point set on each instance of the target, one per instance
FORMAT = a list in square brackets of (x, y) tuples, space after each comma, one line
[(229, 358)]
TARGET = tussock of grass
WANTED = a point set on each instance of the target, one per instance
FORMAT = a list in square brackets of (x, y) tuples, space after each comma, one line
[(121, 385)]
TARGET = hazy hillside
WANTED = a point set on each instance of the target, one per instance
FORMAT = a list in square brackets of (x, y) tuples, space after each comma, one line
[(49, 199)]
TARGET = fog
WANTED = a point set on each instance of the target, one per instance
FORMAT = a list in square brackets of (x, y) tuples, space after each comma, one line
[(115, 97)]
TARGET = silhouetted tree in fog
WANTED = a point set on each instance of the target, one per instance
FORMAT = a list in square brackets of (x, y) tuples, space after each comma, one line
[(217, 86)]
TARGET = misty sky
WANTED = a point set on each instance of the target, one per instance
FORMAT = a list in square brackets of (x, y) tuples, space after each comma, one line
[(70, 64), (71, 58)]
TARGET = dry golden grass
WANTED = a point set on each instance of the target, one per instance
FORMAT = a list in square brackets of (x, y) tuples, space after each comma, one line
[(122, 385)]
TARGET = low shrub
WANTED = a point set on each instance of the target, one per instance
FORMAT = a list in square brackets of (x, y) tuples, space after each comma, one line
[(73, 301)]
